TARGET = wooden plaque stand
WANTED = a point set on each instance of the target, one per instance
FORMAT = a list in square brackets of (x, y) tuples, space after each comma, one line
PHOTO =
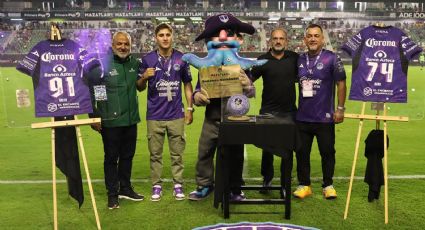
[(56, 35), (377, 118)]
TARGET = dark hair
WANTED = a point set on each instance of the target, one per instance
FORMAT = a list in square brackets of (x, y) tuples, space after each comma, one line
[(163, 26), (314, 26)]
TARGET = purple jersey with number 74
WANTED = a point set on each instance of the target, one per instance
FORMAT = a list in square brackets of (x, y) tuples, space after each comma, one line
[(381, 57), (57, 69)]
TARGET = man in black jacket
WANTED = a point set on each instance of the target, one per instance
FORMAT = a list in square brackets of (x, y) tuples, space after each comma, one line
[(278, 97)]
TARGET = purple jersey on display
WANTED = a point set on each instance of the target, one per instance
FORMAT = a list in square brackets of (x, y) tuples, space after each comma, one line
[(57, 69), (380, 60), (317, 77), (164, 89)]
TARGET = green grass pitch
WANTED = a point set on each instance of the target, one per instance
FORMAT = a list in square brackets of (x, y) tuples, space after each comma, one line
[(25, 156)]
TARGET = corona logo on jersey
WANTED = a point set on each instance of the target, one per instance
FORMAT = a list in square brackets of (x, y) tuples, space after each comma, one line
[(48, 57), (372, 42)]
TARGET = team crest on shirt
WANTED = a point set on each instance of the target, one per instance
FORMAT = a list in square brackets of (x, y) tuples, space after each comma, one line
[(367, 91), (176, 67), (319, 66), (113, 72), (52, 107)]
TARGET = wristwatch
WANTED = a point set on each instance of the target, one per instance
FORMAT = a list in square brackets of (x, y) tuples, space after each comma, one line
[(341, 108), (190, 109)]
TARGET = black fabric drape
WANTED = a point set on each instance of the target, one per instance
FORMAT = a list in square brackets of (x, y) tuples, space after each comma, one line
[(374, 152), (67, 159)]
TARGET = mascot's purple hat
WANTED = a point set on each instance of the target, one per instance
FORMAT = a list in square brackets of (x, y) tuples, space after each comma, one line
[(224, 21)]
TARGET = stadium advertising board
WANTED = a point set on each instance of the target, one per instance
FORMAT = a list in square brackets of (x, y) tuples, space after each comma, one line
[(411, 15), (66, 15), (36, 15), (130, 15)]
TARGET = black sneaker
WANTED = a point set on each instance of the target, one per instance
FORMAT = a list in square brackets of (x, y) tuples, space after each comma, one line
[(113, 202), (266, 184), (130, 194)]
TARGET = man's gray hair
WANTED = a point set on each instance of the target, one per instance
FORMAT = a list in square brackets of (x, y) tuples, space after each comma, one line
[(123, 33), (281, 29)]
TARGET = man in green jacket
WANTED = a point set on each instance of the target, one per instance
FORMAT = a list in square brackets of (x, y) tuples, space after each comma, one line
[(115, 101)]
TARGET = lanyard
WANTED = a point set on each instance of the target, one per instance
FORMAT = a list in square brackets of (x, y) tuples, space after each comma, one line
[(170, 63), (167, 73), (307, 62)]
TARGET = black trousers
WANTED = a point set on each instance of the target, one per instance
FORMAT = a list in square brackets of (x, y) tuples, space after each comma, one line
[(267, 169), (119, 144), (325, 135), (236, 158)]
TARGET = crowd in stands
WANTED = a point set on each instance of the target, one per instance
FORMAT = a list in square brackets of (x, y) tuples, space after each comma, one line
[(96, 35)]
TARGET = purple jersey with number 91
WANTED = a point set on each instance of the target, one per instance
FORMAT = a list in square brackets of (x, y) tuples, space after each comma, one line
[(57, 69), (380, 60)]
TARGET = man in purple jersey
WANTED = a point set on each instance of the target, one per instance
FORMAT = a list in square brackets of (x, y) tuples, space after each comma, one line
[(163, 73), (319, 70), (221, 30), (381, 56), (57, 69)]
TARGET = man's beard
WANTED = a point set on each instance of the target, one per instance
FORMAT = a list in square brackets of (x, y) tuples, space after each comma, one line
[(276, 51), (120, 54)]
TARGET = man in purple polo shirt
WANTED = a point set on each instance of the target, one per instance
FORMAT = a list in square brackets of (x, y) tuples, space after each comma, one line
[(319, 70), (163, 73)]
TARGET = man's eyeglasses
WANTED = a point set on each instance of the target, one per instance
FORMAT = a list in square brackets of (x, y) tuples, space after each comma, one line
[(229, 32)]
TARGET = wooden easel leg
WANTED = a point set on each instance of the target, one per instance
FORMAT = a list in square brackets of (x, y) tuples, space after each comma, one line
[(86, 168), (353, 169), (55, 206), (385, 169)]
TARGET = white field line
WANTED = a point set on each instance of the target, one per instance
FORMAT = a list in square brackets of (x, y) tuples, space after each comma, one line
[(392, 177), (245, 162)]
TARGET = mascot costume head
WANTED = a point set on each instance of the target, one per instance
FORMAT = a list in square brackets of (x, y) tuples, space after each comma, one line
[(222, 37), (223, 51)]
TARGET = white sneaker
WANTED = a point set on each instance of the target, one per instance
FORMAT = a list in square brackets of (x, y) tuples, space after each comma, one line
[(178, 192), (156, 193)]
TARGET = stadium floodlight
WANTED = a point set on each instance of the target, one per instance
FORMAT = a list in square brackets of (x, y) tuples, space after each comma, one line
[(274, 19), (16, 19), (195, 18), (274, 16), (307, 19), (162, 19), (179, 19)]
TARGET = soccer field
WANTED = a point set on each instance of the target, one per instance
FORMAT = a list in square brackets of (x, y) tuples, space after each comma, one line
[(26, 190)]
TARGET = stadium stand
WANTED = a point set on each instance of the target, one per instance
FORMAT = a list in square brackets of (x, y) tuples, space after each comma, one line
[(88, 32)]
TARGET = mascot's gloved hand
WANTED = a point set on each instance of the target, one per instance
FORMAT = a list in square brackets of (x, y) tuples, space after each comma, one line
[(201, 98)]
